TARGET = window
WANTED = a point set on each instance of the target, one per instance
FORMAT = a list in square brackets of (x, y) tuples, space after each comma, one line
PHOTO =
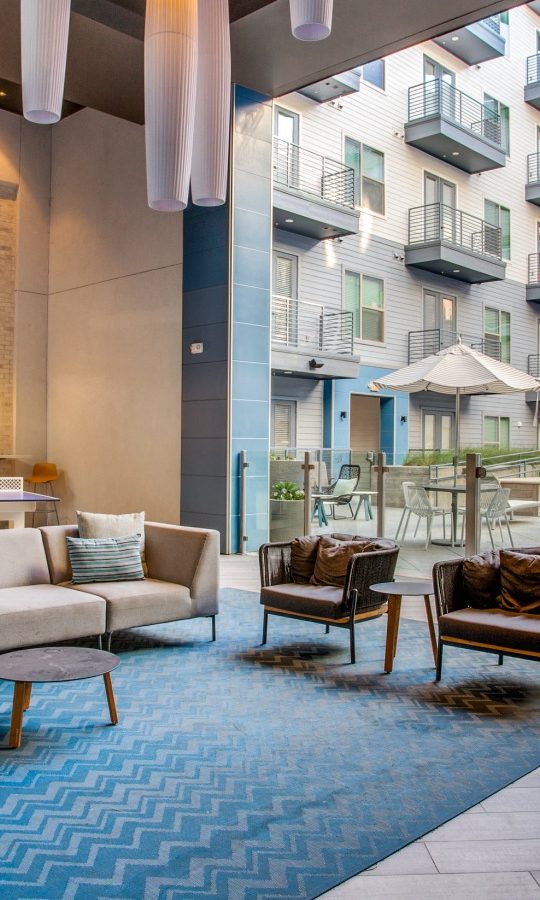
[(495, 108), (283, 423), (368, 167), (497, 432), (500, 217), (374, 73), (364, 297), (497, 334), (437, 430)]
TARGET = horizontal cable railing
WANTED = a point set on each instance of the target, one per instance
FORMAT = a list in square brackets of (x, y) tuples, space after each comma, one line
[(533, 168), (309, 327), (310, 173), (438, 222), (533, 276), (431, 340), (438, 98), (533, 68), (533, 365)]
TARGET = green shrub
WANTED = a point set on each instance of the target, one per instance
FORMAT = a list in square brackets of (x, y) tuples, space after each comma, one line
[(440, 457), (286, 490)]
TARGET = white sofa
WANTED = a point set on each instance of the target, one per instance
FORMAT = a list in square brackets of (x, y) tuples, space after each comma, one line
[(39, 605)]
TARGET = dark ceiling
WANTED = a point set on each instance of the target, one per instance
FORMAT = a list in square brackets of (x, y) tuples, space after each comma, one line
[(105, 52)]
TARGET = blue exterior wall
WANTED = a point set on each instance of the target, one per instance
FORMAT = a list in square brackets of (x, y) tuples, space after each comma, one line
[(226, 297), (394, 438)]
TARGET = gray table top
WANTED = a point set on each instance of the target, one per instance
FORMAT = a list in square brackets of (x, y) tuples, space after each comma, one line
[(404, 588), (55, 664)]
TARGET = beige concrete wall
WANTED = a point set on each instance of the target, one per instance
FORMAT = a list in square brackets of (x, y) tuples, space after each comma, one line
[(114, 361), (25, 193)]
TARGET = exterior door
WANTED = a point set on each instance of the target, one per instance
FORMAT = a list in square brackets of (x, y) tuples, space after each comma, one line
[(439, 321), (440, 222), (284, 301), (286, 151), (437, 430), (439, 89)]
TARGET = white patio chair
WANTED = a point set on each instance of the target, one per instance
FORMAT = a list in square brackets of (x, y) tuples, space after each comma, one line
[(406, 514), (494, 510), (420, 505)]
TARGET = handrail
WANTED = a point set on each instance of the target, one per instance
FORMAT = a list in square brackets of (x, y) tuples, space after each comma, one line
[(438, 222), (533, 268), (308, 326), (428, 341), (492, 22), (438, 98), (533, 365), (306, 172), (533, 168), (533, 68)]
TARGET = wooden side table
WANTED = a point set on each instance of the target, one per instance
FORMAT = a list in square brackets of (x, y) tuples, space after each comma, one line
[(396, 590), (42, 664)]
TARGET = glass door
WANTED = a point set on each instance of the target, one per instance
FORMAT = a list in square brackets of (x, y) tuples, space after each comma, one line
[(286, 131), (441, 222), (440, 320), (437, 431), (439, 89)]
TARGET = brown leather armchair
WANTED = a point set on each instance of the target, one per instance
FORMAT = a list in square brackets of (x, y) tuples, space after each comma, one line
[(336, 606)]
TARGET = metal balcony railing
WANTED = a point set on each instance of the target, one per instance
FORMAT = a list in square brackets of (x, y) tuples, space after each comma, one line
[(431, 340), (533, 68), (533, 365), (534, 268), (310, 173), (493, 23), (533, 168), (438, 222), (437, 98), (311, 327)]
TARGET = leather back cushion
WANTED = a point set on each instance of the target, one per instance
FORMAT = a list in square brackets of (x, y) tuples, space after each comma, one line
[(333, 557), (481, 579), (303, 556), (520, 582)]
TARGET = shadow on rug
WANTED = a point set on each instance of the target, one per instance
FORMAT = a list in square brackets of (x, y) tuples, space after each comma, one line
[(240, 771)]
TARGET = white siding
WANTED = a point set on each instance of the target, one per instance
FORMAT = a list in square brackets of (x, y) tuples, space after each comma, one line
[(308, 393)]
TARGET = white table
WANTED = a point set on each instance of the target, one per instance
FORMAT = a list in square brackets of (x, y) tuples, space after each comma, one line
[(14, 505)]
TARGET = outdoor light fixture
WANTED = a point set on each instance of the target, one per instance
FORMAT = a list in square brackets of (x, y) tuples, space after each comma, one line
[(311, 20), (170, 84), (44, 40), (211, 141), (313, 364)]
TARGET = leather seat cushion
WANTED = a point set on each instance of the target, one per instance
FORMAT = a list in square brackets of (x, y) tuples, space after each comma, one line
[(517, 631), (305, 599)]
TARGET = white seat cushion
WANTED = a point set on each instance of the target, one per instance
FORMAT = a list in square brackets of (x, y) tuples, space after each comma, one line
[(148, 602), (46, 613)]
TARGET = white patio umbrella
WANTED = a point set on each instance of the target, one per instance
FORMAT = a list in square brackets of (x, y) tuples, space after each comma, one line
[(459, 370)]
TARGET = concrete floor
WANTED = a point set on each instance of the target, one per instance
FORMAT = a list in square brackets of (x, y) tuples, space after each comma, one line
[(491, 852)]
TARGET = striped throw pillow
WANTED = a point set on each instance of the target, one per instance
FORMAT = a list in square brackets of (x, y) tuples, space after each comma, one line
[(105, 559)]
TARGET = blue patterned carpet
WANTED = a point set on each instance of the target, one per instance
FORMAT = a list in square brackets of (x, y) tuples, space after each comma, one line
[(245, 772)]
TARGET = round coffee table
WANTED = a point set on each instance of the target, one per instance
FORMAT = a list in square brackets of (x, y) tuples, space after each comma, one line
[(396, 590), (41, 664)]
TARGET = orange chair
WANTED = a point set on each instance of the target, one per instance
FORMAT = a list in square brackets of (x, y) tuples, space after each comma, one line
[(42, 477)]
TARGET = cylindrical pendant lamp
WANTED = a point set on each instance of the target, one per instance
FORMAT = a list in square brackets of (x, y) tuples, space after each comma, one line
[(311, 20), (212, 115), (44, 40), (170, 82)]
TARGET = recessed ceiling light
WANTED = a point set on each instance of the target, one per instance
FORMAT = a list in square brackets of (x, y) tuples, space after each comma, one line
[(3, 94), (454, 37), (289, 220), (287, 372), (455, 152), (456, 271)]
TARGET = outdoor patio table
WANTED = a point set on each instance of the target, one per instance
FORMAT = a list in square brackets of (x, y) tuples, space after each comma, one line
[(455, 490), (396, 590), (364, 497)]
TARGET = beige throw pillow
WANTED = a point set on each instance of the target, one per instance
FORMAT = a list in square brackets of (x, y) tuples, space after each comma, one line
[(102, 525)]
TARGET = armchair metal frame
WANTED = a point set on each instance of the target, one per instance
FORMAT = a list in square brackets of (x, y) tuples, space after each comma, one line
[(358, 602)]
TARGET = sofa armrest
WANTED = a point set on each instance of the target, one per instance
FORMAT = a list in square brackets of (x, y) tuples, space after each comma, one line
[(365, 569), (187, 556), (275, 563), (448, 586)]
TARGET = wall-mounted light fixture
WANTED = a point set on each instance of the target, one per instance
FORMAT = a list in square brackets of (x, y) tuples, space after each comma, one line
[(313, 364), (403, 419), (343, 414), (519, 424)]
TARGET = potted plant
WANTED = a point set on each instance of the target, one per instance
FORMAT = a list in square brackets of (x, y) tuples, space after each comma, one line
[(286, 511)]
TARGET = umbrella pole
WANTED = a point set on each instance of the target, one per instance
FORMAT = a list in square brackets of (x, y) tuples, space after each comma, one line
[(456, 451)]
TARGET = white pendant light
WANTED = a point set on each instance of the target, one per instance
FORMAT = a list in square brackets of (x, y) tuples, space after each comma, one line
[(44, 40), (212, 115), (311, 20), (170, 81)]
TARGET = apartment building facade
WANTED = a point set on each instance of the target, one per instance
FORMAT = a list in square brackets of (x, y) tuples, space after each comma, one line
[(406, 213)]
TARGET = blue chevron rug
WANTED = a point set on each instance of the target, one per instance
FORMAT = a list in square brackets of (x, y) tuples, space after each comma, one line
[(244, 772)]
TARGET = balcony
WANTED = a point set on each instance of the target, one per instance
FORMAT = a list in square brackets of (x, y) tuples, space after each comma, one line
[(332, 88), (450, 125), (532, 188), (475, 43), (311, 340), (532, 290), (532, 88), (449, 242), (313, 195), (424, 343)]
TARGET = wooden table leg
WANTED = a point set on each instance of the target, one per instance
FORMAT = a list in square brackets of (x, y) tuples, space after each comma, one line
[(431, 626), (110, 698), (27, 695), (392, 628), (20, 691)]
